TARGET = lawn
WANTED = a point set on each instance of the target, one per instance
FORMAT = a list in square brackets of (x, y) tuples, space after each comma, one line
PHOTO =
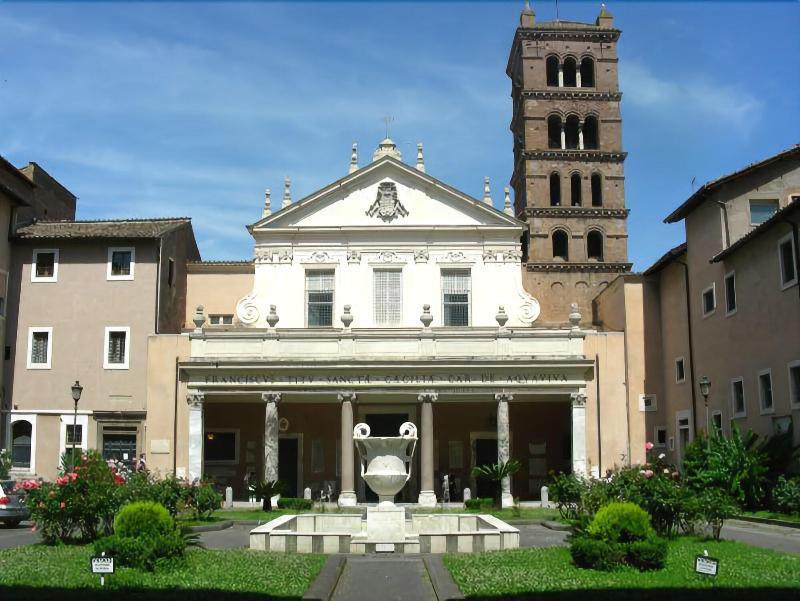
[(62, 572), (547, 573)]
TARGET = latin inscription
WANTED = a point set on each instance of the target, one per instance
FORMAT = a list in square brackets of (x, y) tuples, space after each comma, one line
[(388, 379)]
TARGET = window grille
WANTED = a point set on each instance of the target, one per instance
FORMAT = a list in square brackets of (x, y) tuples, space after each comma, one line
[(456, 289), (319, 298), (388, 296), (74, 435), (39, 347), (116, 347)]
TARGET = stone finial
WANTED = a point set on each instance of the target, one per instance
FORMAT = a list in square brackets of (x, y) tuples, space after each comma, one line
[(507, 203), (272, 318), (605, 18), (347, 317), (199, 318), (487, 192), (420, 159), (426, 318), (267, 204), (387, 147), (574, 316), (527, 17), (287, 192), (502, 316), (354, 159)]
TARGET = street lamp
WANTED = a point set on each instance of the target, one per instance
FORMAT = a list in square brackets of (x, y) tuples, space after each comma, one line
[(705, 389), (77, 389)]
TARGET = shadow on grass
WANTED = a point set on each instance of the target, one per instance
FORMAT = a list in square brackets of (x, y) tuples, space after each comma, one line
[(656, 594), (29, 593)]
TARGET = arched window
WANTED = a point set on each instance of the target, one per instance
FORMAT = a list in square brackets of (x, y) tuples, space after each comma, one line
[(552, 71), (590, 137), (575, 189), (594, 245), (571, 131), (21, 435), (554, 131), (570, 70), (597, 190), (555, 189), (560, 245), (587, 73)]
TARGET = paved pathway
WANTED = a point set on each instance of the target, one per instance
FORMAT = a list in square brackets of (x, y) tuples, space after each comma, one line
[(763, 535), (17, 537), (374, 578)]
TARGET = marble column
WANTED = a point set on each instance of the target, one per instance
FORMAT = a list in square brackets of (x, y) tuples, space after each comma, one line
[(580, 135), (578, 76), (271, 400), (578, 434), (195, 400), (560, 75), (347, 494), (563, 136), (503, 444), (427, 496)]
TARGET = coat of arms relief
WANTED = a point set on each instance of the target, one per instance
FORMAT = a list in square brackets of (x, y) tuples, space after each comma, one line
[(387, 206)]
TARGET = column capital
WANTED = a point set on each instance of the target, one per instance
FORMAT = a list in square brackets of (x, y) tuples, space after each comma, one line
[(428, 397), (578, 399), (503, 396), (270, 397), (346, 395), (195, 399)]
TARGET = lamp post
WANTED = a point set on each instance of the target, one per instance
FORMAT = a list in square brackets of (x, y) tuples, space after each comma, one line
[(77, 389), (705, 389)]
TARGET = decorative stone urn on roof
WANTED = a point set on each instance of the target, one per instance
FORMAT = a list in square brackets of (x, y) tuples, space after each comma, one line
[(386, 460)]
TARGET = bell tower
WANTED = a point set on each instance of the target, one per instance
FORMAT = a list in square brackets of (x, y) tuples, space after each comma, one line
[(568, 176)]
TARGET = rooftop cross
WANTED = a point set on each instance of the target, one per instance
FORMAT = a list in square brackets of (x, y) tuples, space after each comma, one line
[(387, 121)]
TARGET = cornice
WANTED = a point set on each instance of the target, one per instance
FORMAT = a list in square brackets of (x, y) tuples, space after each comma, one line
[(598, 267), (571, 95), (556, 154), (575, 212), (597, 35)]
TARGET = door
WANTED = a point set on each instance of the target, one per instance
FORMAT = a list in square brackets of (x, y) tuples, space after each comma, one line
[(287, 466), (119, 446), (485, 453), (386, 424)]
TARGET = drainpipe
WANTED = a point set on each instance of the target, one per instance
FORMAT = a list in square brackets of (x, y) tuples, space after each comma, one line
[(627, 394), (691, 343), (175, 420), (597, 396)]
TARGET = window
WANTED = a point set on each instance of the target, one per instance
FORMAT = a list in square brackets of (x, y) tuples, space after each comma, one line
[(716, 423), (591, 140), (554, 131), (319, 298), (575, 189), (660, 436), (21, 439), (220, 320), (761, 210), (571, 127), (117, 348), (74, 435), (388, 296), (709, 300), (45, 266), (737, 398), (597, 190), (786, 260), (570, 71), (782, 425), (680, 370), (560, 245), (120, 263), (765, 391), (456, 296), (794, 383), (40, 347), (171, 272), (587, 73), (594, 245), (730, 293), (555, 189), (647, 402), (119, 443), (221, 447), (552, 71)]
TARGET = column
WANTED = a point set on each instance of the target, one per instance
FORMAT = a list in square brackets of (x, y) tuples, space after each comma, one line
[(503, 444), (271, 400), (563, 136), (347, 492), (578, 434), (560, 75), (195, 400), (427, 496), (580, 135), (578, 75)]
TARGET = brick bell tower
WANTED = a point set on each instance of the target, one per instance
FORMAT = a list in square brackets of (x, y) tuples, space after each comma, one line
[(568, 177)]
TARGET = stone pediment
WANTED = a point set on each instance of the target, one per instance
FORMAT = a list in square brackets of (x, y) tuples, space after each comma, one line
[(387, 193)]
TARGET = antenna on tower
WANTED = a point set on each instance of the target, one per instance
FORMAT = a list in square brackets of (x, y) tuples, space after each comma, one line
[(692, 182), (387, 121), (557, 19)]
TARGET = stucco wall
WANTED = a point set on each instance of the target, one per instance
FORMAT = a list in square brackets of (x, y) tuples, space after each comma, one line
[(218, 291)]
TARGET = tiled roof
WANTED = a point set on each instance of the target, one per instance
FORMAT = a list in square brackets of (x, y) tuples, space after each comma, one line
[(242, 262), (112, 228), (792, 207), (666, 259)]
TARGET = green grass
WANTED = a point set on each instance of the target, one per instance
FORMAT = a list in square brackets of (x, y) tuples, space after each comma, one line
[(773, 515), (38, 571), (543, 573)]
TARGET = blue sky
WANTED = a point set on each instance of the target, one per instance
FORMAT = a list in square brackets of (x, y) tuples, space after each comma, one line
[(153, 109)]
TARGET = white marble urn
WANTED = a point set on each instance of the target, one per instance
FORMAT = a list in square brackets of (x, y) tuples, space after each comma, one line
[(386, 460)]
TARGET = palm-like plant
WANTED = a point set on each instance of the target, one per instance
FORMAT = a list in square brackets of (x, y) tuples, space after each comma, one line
[(495, 472), (264, 490)]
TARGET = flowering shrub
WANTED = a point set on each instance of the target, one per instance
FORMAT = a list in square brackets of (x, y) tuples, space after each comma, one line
[(786, 495)]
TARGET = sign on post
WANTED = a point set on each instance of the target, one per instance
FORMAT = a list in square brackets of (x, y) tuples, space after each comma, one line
[(102, 565), (703, 564)]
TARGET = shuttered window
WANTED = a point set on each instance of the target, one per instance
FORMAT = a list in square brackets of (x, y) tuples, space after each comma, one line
[(116, 347), (39, 347), (388, 296), (319, 298), (456, 290)]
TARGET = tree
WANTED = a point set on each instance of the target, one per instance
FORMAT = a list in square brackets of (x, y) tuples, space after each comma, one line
[(495, 472)]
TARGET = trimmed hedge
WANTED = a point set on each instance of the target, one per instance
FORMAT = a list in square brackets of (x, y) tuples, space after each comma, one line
[(294, 503), (479, 503)]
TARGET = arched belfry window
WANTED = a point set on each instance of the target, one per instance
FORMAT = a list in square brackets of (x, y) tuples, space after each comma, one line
[(590, 134), (571, 131), (594, 245), (597, 190), (555, 189), (552, 71), (587, 73), (570, 72), (575, 189), (554, 131), (560, 245)]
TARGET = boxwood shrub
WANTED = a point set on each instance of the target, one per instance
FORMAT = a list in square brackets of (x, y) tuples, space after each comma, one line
[(479, 503), (294, 503)]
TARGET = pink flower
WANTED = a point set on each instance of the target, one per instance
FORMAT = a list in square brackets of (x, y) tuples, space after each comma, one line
[(72, 476), (641, 472), (119, 480), (648, 446), (62, 480), (648, 473), (62, 505)]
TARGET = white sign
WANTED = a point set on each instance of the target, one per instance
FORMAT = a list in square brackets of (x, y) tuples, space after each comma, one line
[(706, 565), (102, 565)]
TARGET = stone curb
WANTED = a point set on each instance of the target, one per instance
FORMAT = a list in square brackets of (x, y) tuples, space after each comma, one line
[(557, 526), (443, 584), (769, 521), (211, 527), (327, 579)]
